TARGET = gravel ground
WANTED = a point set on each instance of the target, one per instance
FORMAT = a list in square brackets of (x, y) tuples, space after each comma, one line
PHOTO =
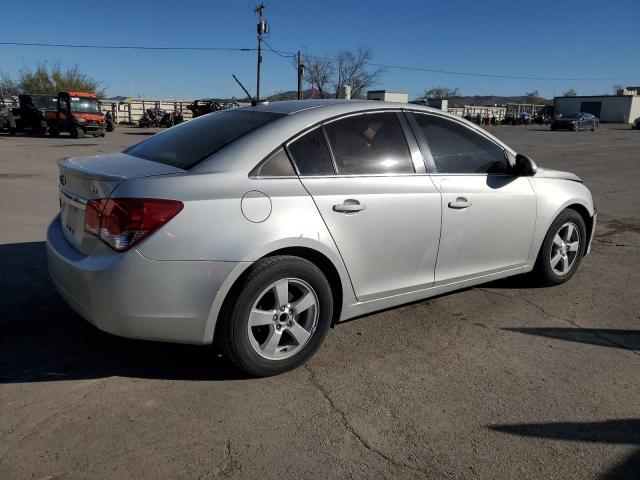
[(502, 381)]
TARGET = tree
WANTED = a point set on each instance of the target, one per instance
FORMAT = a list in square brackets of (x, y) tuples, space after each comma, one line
[(7, 86), (441, 92), (318, 72), (618, 89), (533, 97), (570, 93), (346, 68), (351, 69), (54, 79)]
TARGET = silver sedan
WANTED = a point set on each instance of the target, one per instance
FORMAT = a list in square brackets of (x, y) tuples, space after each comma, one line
[(259, 228)]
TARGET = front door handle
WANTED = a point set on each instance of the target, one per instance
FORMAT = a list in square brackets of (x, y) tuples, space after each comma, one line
[(349, 206), (460, 203)]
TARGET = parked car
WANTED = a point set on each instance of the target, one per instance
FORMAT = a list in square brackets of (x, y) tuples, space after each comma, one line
[(636, 124), (77, 113), (259, 228), (30, 114), (208, 105), (575, 121), (5, 112)]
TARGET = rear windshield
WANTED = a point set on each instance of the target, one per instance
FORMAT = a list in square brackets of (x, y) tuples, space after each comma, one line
[(186, 144), (570, 115)]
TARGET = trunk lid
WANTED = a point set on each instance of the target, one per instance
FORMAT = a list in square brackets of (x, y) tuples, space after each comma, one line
[(87, 178)]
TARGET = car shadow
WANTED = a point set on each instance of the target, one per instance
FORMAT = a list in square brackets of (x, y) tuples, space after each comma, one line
[(515, 282), (140, 133), (605, 337), (44, 340), (622, 432)]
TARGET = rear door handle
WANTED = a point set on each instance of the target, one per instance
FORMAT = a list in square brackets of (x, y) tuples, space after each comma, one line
[(460, 203), (349, 206)]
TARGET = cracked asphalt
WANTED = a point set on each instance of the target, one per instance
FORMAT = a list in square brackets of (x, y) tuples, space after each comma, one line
[(502, 381)]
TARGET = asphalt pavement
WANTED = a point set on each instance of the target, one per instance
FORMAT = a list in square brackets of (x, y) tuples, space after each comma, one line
[(503, 381)]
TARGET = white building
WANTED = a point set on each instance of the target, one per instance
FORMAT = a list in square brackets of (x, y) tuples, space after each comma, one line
[(387, 96), (608, 108)]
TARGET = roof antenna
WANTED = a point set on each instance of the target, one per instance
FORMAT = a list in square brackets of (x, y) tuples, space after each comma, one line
[(253, 100)]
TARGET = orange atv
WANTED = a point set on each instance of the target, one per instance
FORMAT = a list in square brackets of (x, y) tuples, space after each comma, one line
[(78, 113)]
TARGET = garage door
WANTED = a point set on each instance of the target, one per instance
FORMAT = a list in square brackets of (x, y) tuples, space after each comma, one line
[(591, 107)]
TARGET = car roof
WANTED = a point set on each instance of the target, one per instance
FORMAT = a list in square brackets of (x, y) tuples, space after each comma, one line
[(289, 107)]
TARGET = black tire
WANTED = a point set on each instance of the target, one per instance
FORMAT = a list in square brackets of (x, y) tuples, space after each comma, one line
[(543, 272), (232, 333), (53, 132), (77, 132), (13, 131), (576, 127), (594, 126)]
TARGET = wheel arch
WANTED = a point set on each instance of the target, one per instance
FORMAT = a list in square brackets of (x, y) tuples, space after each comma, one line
[(575, 204), (586, 216), (338, 281)]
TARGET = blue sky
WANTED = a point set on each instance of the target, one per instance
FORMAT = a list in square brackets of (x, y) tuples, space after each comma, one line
[(539, 38)]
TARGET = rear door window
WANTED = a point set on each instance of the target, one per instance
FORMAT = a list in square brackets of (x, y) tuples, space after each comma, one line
[(277, 165), (311, 154), (189, 143), (369, 144)]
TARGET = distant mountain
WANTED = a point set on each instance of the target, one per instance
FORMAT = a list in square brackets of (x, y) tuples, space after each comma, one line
[(453, 101), (293, 95)]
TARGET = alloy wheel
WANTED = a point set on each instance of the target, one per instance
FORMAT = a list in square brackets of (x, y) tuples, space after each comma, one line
[(565, 249), (283, 318)]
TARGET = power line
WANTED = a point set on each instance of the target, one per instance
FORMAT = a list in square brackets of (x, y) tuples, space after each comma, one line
[(491, 75), (286, 54), (128, 47), (280, 53)]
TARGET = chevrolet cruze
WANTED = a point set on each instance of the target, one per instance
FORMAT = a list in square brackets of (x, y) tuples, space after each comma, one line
[(259, 228)]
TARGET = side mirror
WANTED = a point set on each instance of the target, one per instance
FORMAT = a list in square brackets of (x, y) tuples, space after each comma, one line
[(525, 167)]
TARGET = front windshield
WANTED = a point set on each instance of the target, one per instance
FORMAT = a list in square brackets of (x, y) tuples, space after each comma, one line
[(84, 105)]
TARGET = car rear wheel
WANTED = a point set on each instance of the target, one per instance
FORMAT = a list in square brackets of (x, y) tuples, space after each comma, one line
[(276, 317), (562, 249), (576, 127)]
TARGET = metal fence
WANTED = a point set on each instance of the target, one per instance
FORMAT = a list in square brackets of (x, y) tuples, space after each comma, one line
[(475, 110), (131, 109)]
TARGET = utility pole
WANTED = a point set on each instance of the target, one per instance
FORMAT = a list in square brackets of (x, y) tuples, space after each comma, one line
[(263, 27), (300, 74)]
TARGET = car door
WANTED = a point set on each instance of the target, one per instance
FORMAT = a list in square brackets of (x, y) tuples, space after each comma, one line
[(383, 216), (488, 214)]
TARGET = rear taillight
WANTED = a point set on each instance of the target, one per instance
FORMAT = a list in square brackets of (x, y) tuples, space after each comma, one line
[(123, 222)]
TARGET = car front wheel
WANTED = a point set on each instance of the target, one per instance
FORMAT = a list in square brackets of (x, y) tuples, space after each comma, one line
[(562, 249), (276, 317)]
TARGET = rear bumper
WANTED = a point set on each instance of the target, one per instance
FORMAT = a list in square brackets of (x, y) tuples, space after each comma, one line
[(128, 295)]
